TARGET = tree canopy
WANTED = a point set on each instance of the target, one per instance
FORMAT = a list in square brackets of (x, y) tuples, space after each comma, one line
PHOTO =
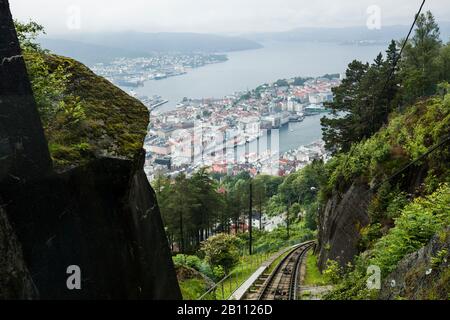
[(370, 92)]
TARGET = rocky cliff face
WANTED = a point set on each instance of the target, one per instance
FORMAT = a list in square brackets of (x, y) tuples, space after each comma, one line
[(339, 225), (345, 214), (15, 279), (101, 216), (422, 275), (23, 149), (405, 165)]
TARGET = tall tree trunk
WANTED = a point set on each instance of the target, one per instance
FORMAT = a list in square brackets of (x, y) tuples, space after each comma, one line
[(181, 233), (250, 219), (260, 214)]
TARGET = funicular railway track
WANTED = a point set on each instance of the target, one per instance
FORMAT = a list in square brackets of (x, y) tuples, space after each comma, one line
[(282, 284)]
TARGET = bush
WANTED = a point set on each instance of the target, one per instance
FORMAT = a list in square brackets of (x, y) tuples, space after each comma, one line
[(332, 273), (369, 234), (418, 222), (219, 272), (222, 250), (193, 262), (276, 239), (439, 258)]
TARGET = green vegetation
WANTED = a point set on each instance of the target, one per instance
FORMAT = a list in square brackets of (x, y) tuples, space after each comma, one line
[(366, 97), (401, 222), (202, 212), (439, 258), (83, 115), (299, 81), (193, 286), (417, 223), (182, 260), (333, 272), (194, 209), (195, 275), (190, 208), (407, 137), (221, 250), (423, 59), (241, 272), (313, 276), (383, 128), (225, 255), (278, 238), (192, 289), (282, 83)]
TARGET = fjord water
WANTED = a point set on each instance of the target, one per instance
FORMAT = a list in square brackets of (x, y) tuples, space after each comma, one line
[(249, 69)]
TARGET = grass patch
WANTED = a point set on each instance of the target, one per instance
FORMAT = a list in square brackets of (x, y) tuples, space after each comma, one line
[(246, 267), (192, 289), (313, 276)]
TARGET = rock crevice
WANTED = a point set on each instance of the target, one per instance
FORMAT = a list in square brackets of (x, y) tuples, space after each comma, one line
[(340, 223)]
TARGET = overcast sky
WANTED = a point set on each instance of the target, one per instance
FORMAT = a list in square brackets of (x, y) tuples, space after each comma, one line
[(214, 16)]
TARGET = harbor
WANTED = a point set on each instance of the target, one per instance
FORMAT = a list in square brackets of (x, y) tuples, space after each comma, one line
[(274, 129)]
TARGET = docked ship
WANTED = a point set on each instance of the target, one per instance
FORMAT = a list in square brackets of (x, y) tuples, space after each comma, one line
[(296, 118), (129, 82)]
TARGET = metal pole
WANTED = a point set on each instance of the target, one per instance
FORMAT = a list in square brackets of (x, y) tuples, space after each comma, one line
[(287, 220), (223, 293), (250, 219)]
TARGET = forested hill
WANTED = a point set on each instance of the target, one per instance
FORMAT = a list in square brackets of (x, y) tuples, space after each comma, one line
[(98, 47), (385, 194), (347, 35)]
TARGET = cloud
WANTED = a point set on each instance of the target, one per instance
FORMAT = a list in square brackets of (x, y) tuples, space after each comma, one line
[(216, 16)]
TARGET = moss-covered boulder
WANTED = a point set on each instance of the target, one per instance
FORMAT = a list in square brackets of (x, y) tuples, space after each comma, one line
[(114, 124)]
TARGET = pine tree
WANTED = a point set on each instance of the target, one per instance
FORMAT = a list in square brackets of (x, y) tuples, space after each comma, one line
[(339, 133), (420, 69)]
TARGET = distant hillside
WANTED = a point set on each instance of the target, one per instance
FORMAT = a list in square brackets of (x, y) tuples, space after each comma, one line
[(87, 53), (100, 46), (343, 35)]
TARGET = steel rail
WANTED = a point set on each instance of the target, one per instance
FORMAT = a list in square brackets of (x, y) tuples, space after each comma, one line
[(295, 278), (286, 267)]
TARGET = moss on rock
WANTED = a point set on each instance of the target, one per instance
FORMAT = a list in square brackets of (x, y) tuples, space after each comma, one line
[(114, 124)]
